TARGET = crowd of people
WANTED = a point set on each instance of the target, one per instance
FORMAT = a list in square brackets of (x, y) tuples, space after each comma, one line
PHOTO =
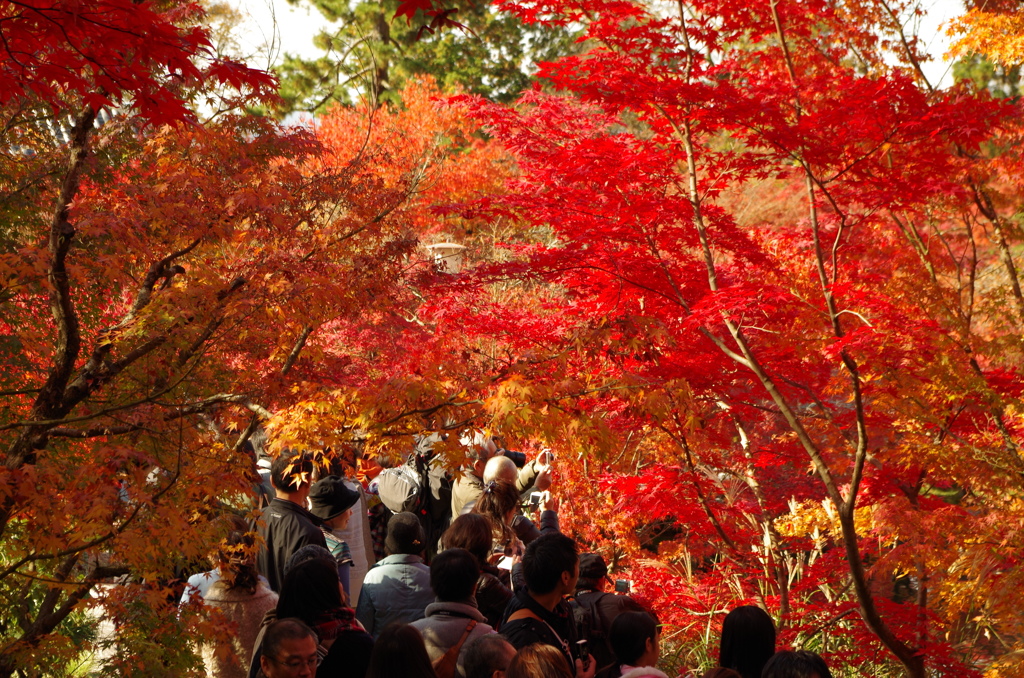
[(330, 583)]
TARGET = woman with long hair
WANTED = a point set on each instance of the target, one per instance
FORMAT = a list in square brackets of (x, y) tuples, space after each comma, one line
[(472, 532), (399, 653), (312, 592), (499, 504)]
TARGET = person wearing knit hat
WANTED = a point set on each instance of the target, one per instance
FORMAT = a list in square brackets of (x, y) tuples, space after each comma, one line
[(397, 589), (332, 501)]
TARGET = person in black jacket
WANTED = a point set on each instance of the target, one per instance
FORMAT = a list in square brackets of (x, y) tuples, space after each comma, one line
[(311, 592), (539, 613), (473, 533), (285, 524), (595, 609)]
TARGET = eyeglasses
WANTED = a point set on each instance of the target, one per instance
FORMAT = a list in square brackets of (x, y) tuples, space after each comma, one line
[(296, 663)]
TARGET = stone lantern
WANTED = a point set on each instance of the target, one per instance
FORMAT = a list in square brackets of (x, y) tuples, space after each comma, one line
[(447, 256)]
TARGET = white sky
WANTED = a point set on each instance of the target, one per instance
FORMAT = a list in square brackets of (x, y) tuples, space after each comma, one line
[(296, 27)]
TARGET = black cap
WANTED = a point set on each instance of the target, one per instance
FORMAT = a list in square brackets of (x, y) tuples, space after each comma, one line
[(331, 497), (592, 567)]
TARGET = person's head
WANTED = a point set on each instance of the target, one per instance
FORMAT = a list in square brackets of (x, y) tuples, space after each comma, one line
[(720, 672), (593, 572), (472, 532), (538, 661), (405, 535), (634, 639), (309, 589), (487, 656), (289, 650), (453, 575), (501, 469), (290, 472), (237, 561), (308, 552), (796, 664), (480, 448), (332, 501), (399, 651), (551, 563), (748, 640), (498, 503)]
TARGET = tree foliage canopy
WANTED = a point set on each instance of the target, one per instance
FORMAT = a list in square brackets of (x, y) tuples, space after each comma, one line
[(747, 271)]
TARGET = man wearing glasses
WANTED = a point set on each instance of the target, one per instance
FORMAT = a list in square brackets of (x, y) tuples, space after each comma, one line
[(289, 650)]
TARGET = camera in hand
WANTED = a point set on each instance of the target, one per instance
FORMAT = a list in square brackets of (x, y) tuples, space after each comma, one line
[(622, 586), (518, 458), (583, 652)]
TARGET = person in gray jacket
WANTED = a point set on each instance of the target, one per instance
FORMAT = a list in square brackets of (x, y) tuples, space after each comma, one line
[(454, 619), (397, 589)]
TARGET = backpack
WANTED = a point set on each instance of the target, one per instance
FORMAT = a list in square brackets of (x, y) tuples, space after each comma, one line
[(421, 486), (400, 488), (417, 485), (591, 625)]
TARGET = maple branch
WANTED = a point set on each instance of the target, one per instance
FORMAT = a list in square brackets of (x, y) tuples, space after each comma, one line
[(115, 531), (62, 233), (906, 46), (774, 4), (296, 350), (48, 402), (242, 400), (429, 410), (47, 621), (96, 370), (910, 231), (93, 432), (908, 656), (985, 206), (684, 445)]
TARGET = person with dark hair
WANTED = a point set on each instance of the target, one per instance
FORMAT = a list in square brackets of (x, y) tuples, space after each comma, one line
[(399, 653), (454, 619), (634, 638), (748, 641), (397, 589), (285, 525), (472, 532), (539, 613), (796, 664), (538, 661), (290, 650), (312, 592), (308, 552), (242, 598), (488, 656), (594, 610), (331, 501)]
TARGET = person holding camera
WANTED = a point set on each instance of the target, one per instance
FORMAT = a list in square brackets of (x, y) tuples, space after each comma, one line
[(594, 609), (488, 461)]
